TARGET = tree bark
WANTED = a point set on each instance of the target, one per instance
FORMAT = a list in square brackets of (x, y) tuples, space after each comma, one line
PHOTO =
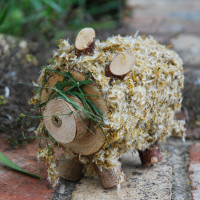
[(110, 177), (151, 155)]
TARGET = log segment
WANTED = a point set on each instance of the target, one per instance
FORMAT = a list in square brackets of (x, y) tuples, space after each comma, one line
[(64, 122), (70, 169), (70, 127), (151, 155), (110, 177)]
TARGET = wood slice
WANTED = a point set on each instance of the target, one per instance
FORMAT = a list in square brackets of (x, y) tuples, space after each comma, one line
[(82, 122), (121, 65), (70, 169), (110, 177), (59, 122), (151, 155), (85, 40)]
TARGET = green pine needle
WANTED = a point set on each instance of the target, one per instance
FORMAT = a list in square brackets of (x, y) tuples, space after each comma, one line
[(59, 91), (12, 165)]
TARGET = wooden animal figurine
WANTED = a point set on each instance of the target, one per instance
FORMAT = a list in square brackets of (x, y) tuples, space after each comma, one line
[(100, 99)]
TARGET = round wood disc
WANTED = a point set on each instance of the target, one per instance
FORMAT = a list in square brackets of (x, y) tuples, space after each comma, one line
[(122, 64), (53, 79), (59, 121)]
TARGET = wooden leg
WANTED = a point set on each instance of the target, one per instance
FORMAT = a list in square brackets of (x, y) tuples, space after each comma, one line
[(110, 177), (151, 155), (69, 169)]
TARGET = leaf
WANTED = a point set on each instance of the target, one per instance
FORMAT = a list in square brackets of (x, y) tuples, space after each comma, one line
[(36, 4), (3, 14), (12, 165), (54, 6), (19, 22)]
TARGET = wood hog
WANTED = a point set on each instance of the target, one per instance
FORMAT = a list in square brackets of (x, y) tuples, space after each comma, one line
[(100, 99)]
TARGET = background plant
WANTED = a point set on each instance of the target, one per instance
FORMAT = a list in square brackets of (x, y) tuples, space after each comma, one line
[(22, 17)]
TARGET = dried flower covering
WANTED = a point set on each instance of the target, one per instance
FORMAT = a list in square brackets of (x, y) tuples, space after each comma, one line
[(142, 105)]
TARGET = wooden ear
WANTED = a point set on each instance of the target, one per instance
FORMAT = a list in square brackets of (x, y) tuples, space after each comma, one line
[(121, 65), (85, 40)]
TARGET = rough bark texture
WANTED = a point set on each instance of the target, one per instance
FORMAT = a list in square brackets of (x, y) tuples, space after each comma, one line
[(110, 177), (87, 51), (151, 155), (70, 169)]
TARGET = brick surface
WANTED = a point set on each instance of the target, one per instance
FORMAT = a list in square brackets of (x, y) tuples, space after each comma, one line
[(193, 132), (188, 46), (153, 182), (194, 170), (166, 180), (178, 159), (17, 186), (165, 17)]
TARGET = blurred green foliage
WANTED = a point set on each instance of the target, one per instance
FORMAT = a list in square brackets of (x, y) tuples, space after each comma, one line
[(22, 17)]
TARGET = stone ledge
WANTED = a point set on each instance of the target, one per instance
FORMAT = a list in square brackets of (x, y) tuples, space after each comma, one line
[(154, 182)]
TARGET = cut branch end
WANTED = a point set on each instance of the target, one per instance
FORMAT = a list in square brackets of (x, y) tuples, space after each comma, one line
[(121, 65), (84, 43), (151, 155), (69, 169), (110, 177)]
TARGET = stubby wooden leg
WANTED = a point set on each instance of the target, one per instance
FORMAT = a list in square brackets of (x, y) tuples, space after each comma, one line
[(69, 169), (151, 155), (110, 177)]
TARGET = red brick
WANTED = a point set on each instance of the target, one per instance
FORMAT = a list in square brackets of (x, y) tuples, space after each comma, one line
[(194, 153), (194, 170), (193, 133), (165, 17), (17, 186)]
